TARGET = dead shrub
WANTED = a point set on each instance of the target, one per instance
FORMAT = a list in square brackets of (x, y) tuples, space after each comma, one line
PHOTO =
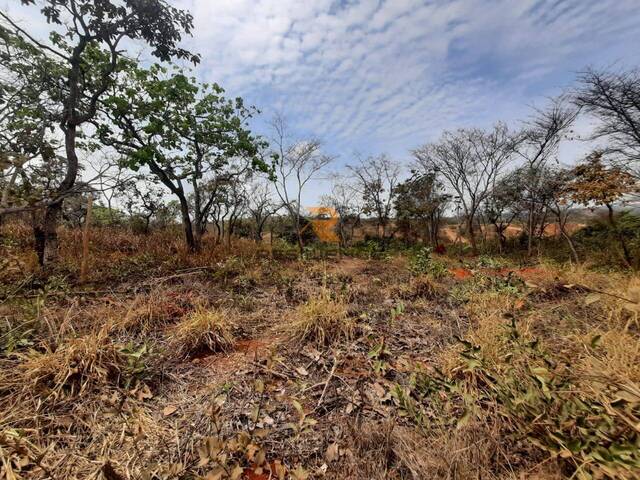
[(201, 331)]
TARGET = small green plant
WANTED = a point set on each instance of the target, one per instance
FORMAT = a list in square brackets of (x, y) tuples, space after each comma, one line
[(396, 312), (304, 422), (136, 366), (587, 420), (488, 261), (423, 263), (379, 356)]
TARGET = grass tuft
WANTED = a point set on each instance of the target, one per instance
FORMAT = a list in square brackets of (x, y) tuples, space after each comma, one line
[(201, 331), (78, 365), (323, 321)]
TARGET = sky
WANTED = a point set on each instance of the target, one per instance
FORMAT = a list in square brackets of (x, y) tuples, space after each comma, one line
[(374, 76)]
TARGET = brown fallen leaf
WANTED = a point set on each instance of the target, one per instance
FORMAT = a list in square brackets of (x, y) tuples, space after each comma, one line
[(332, 453), (169, 410)]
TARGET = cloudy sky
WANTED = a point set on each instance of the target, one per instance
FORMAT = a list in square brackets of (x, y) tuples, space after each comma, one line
[(388, 75), (373, 76)]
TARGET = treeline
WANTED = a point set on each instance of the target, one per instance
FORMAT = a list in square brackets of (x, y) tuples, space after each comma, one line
[(153, 145), (501, 177)]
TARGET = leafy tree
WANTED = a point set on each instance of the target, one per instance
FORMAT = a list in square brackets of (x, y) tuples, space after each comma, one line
[(25, 127), (598, 184), (82, 60), (184, 133), (421, 200)]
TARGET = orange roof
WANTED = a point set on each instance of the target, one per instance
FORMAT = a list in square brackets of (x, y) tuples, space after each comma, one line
[(323, 211)]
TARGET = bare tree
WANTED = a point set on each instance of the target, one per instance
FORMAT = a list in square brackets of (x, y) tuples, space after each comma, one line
[(561, 203), (260, 205), (504, 205), (538, 145), (470, 161), (376, 182), (614, 99), (297, 162), (347, 206), (232, 203), (142, 200)]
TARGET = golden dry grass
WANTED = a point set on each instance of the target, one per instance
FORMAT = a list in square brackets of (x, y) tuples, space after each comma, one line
[(201, 331), (321, 320), (77, 365)]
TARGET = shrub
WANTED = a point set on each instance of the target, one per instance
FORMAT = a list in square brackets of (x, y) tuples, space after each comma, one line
[(587, 419), (600, 238), (423, 263), (76, 366)]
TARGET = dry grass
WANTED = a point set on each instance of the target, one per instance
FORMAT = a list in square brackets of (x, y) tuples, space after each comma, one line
[(201, 331), (77, 366), (68, 403), (323, 321), (150, 312)]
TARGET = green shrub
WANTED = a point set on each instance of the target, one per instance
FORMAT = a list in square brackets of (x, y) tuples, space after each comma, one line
[(422, 262), (586, 419)]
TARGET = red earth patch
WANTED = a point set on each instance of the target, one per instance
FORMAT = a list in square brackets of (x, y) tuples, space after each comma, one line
[(461, 273)]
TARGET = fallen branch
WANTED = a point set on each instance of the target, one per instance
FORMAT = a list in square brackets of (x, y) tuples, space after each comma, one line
[(326, 383)]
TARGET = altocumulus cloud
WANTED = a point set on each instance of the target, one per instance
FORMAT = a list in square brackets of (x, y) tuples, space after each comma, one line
[(387, 75)]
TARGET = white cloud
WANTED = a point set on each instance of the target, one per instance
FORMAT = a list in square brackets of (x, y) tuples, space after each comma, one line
[(387, 75)]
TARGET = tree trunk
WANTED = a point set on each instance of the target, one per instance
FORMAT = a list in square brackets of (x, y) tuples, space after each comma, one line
[(4, 201), (299, 235), (472, 235), (620, 235), (46, 236), (530, 231), (572, 247), (192, 243), (147, 222), (198, 231), (502, 239)]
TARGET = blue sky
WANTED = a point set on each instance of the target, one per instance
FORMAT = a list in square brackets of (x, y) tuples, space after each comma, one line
[(373, 76)]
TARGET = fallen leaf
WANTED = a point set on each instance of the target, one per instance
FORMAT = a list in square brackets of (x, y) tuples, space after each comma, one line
[(302, 371), (300, 473), (169, 410), (236, 473), (144, 393), (332, 453)]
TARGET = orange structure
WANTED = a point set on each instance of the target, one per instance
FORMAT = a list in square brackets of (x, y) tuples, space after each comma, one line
[(324, 221)]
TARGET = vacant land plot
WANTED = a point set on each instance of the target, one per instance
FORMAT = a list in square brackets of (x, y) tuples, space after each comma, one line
[(255, 365)]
